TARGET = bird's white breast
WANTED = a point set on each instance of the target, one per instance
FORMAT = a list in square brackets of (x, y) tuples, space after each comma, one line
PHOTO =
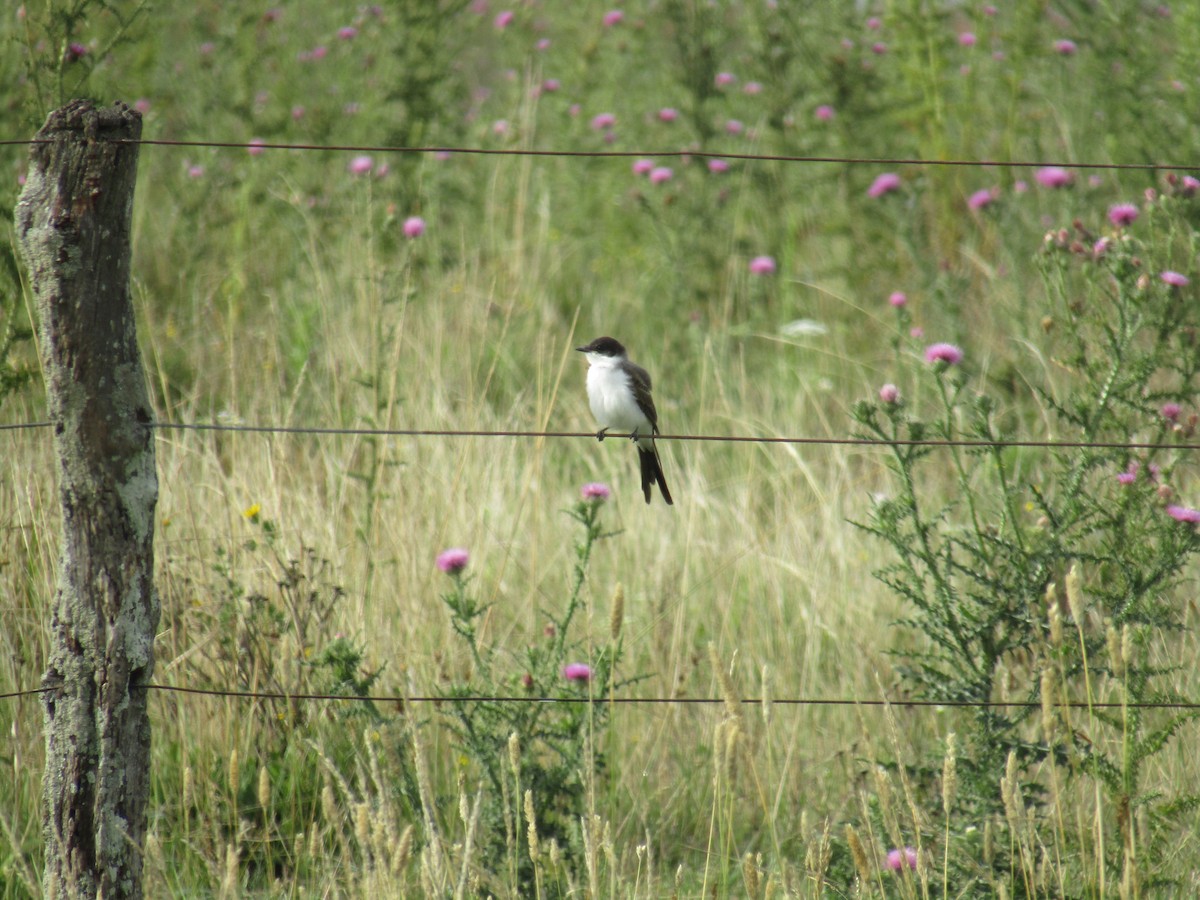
[(611, 398)]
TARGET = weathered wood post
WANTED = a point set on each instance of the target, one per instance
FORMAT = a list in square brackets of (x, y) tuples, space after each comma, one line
[(73, 226)]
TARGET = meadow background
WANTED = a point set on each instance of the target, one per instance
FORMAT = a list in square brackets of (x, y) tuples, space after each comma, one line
[(768, 298)]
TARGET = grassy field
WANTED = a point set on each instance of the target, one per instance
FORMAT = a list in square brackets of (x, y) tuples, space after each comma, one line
[(297, 288)]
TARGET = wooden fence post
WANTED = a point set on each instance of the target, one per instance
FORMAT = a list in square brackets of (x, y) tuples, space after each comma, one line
[(73, 226)]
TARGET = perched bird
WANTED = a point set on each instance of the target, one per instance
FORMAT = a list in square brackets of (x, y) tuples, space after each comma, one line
[(619, 395)]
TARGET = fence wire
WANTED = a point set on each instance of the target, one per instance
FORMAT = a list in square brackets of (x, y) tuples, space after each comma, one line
[(401, 700), (969, 443), (626, 154)]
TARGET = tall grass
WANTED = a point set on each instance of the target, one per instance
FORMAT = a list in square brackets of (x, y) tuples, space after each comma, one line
[(281, 289)]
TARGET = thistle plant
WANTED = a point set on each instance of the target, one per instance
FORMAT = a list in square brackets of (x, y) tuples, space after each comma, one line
[(548, 750), (1039, 576)]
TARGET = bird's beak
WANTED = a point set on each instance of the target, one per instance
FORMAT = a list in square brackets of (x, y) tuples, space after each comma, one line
[(581, 349)]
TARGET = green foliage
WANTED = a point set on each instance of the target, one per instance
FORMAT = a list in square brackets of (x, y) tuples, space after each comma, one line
[(277, 640), (1040, 585), (16, 339), (61, 42), (551, 749), (266, 626)]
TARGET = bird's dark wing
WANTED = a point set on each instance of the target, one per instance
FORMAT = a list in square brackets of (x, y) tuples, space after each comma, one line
[(639, 380)]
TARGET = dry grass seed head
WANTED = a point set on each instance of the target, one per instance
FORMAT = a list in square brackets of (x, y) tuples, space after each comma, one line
[(949, 773), (618, 611), (859, 854)]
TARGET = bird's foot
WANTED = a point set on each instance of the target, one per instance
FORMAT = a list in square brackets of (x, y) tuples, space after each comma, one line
[(600, 434)]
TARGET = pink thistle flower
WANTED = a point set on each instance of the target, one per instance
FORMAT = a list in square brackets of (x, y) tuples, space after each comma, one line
[(916, 332), (453, 561), (1189, 185), (981, 198), (724, 78), (967, 39), (885, 183), (603, 121), (874, 23), (1127, 477), (762, 265), (898, 299), (500, 127), (1174, 279), (595, 491), (889, 393), (550, 85), (1065, 47), (1184, 514), (413, 227), (1020, 186), (668, 114), (1122, 214), (580, 672), (733, 126), (717, 166), (298, 112), (195, 171), (824, 112), (659, 174), (543, 44), (254, 146), (943, 353), (360, 165), (642, 166), (1053, 177), (75, 51), (898, 859), (318, 52), (347, 33), (1170, 411), (612, 17), (503, 20), (879, 48), (752, 87), (142, 105)]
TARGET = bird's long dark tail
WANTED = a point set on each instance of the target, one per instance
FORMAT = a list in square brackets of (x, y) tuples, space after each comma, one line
[(652, 473)]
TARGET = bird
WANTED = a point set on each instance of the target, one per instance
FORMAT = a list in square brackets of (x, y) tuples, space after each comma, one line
[(619, 395)]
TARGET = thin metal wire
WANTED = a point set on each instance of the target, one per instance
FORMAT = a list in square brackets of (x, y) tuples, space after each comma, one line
[(633, 701), (711, 438), (28, 692), (17, 426), (695, 701), (624, 154), (719, 438)]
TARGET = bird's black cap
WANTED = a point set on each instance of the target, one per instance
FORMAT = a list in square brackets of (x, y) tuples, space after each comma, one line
[(605, 346)]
